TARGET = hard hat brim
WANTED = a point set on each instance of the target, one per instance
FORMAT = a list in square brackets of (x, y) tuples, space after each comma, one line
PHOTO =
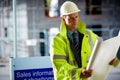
[(69, 13)]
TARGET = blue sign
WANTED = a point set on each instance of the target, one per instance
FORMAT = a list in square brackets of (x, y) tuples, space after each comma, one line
[(34, 74)]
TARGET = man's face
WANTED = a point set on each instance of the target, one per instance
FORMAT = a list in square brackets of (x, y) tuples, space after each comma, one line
[(71, 21)]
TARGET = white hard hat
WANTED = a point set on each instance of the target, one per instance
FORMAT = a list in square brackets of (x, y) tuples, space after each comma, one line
[(68, 7)]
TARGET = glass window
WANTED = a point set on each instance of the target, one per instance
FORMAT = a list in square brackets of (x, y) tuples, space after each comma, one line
[(6, 32), (41, 35), (51, 8), (42, 48), (93, 7)]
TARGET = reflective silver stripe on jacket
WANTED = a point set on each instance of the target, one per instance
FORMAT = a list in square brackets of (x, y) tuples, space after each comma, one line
[(90, 40), (71, 62), (59, 57), (74, 74)]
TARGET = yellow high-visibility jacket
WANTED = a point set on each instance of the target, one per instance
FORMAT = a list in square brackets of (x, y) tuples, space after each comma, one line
[(63, 60)]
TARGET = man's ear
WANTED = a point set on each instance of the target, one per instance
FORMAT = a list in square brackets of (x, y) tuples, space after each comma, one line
[(63, 18)]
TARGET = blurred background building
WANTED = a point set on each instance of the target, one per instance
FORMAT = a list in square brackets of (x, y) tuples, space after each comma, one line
[(37, 21)]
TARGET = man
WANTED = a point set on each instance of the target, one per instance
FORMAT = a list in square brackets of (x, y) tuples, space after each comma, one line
[(72, 46)]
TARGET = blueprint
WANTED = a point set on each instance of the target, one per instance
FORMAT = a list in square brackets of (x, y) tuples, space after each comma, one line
[(102, 54)]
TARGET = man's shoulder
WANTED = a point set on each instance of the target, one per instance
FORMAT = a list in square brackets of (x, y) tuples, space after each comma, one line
[(58, 35), (89, 31)]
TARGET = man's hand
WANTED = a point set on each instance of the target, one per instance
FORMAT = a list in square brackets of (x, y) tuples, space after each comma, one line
[(86, 73), (113, 61)]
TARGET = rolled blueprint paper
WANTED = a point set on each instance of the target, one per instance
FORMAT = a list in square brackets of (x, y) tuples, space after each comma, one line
[(94, 53)]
